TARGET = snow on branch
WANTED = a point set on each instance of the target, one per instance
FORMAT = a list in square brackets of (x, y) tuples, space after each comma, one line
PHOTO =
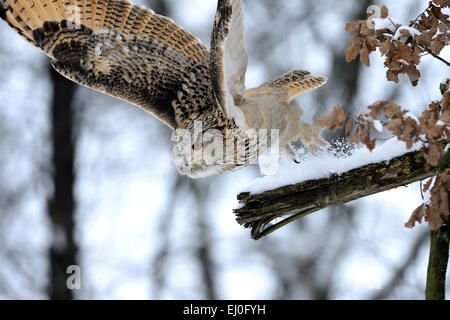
[(293, 201)]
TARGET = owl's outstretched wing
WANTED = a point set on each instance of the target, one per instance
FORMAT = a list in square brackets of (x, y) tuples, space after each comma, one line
[(229, 57), (125, 51)]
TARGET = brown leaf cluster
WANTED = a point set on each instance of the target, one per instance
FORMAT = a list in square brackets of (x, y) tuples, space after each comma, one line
[(436, 212), (363, 42), (401, 49), (434, 27), (433, 129), (393, 118)]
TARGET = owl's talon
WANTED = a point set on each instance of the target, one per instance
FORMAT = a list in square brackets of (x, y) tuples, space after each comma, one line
[(292, 154)]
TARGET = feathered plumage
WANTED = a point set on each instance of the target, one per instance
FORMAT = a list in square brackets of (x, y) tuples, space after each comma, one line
[(133, 54)]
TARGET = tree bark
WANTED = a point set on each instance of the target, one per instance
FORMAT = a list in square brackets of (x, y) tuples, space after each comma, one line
[(439, 252), (298, 200), (437, 263), (63, 251)]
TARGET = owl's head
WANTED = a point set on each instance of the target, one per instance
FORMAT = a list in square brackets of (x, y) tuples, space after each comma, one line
[(199, 153)]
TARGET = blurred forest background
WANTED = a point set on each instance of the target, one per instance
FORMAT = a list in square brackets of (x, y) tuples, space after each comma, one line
[(87, 180)]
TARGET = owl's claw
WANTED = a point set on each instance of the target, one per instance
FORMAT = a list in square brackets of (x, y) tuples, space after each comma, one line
[(310, 136), (293, 154)]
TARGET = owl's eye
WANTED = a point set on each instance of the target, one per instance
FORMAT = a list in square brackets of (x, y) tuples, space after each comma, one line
[(197, 146)]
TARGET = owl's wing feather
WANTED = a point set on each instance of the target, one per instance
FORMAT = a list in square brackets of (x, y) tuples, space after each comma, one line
[(236, 57), (229, 58), (287, 86), (126, 51)]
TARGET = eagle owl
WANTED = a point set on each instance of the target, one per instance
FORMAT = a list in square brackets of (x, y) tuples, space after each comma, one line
[(133, 54)]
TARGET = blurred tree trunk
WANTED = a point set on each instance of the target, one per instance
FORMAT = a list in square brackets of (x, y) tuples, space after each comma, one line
[(201, 244), (204, 255), (345, 76), (61, 207), (199, 190)]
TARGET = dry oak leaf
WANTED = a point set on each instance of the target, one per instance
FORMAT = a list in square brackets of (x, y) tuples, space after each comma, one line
[(364, 56), (392, 76), (442, 3), (417, 216), (438, 205), (426, 35), (386, 47), (427, 185), (395, 126), (348, 128), (438, 44), (445, 117), (433, 154), (414, 75), (333, 120), (384, 12), (393, 110), (376, 109), (355, 139), (446, 100), (365, 138)]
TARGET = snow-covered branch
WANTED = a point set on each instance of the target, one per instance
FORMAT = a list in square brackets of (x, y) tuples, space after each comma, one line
[(258, 211)]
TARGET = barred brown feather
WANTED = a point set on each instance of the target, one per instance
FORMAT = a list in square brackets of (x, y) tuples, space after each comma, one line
[(123, 50)]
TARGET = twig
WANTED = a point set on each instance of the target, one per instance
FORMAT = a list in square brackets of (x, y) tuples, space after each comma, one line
[(428, 50), (397, 276), (425, 48)]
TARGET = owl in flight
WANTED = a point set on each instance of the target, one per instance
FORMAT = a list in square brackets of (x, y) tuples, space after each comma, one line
[(131, 53)]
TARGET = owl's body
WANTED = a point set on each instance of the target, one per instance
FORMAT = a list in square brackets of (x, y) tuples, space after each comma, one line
[(133, 54), (271, 106)]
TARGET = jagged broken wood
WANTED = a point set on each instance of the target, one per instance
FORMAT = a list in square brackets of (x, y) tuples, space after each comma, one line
[(291, 202)]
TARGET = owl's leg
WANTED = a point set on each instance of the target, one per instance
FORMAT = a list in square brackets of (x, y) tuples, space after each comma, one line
[(291, 152), (310, 137)]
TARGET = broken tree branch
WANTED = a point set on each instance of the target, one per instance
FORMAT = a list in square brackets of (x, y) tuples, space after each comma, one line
[(291, 202)]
